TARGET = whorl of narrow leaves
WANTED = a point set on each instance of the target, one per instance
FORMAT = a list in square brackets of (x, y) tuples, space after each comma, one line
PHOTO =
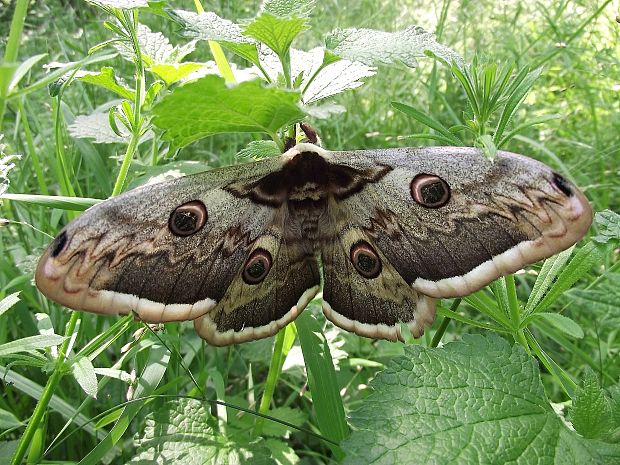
[(476, 401)]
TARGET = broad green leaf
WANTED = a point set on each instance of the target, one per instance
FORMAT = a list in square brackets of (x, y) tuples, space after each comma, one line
[(275, 32), (608, 223), (174, 72), (563, 323), (155, 48), (373, 47), (322, 379), (583, 261), (479, 400), (288, 8), (8, 302), (108, 80), (84, 373), (259, 149), (591, 411), (120, 4), (54, 201), (207, 106), (180, 432), (209, 26), (26, 344), (273, 428)]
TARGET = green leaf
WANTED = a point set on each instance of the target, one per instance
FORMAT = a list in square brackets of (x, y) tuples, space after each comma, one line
[(155, 48), (173, 72), (288, 8), (84, 373), (608, 224), (429, 121), (8, 302), (275, 32), (549, 271), (583, 261), (207, 106), (591, 411), (27, 344), (180, 432), (120, 4), (322, 379), (23, 69), (259, 149), (373, 47), (209, 26), (106, 79), (479, 400), (54, 201), (293, 416), (563, 323), (8, 420), (97, 127)]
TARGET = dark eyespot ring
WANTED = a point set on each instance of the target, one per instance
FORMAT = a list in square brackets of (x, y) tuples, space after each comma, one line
[(59, 244), (562, 184), (257, 266), (365, 260), (430, 191), (188, 219)]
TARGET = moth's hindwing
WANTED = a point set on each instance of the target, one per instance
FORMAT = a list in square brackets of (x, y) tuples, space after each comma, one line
[(235, 249)]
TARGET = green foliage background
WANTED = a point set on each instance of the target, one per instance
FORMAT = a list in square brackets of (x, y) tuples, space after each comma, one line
[(563, 351)]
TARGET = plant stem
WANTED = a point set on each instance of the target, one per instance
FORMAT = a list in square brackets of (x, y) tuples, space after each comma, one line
[(12, 48), (48, 392), (36, 163), (515, 313), (272, 379), (444, 324)]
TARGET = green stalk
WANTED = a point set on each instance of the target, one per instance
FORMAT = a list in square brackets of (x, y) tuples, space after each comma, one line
[(12, 48), (218, 54), (444, 324), (48, 392), (515, 312), (283, 344)]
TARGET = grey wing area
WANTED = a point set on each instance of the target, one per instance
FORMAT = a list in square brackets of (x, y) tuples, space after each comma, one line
[(120, 256), (500, 216), (371, 307)]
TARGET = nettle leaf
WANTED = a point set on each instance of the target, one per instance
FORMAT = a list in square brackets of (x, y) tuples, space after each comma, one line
[(288, 8), (155, 48), (275, 32), (591, 411), (208, 26), (108, 80), (121, 4), (259, 149), (608, 223), (373, 47), (207, 106), (180, 432), (174, 72), (479, 400)]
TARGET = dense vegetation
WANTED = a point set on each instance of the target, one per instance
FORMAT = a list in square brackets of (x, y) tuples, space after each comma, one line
[(494, 380)]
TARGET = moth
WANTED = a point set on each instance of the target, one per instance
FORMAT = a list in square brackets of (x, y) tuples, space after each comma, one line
[(242, 250)]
